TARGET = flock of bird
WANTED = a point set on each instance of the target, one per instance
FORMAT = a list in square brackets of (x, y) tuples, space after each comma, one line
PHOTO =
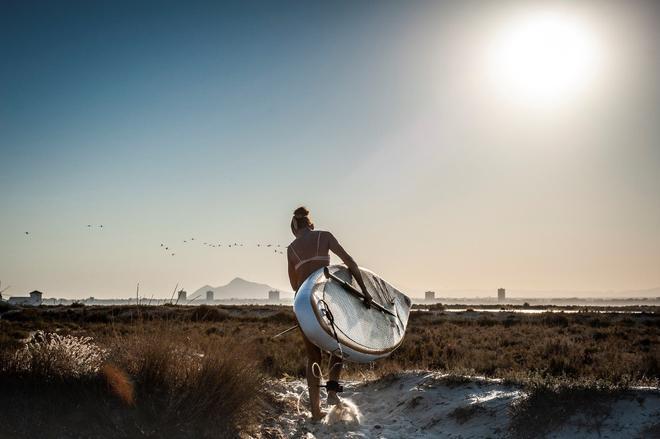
[(168, 250), (276, 247), (100, 226)]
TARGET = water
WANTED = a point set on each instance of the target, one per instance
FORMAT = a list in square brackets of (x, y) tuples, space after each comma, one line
[(535, 311)]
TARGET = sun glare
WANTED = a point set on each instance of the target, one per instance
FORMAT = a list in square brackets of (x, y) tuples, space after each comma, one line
[(543, 58)]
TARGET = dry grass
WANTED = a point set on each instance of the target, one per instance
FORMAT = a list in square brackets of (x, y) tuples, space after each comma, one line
[(547, 408), (616, 348), (166, 371), (151, 382), (49, 355)]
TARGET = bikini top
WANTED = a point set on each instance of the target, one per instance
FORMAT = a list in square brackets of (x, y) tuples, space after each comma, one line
[(318, 257)]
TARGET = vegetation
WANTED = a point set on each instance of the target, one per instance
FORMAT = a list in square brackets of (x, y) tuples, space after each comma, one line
[(142, 383), (175, 371)]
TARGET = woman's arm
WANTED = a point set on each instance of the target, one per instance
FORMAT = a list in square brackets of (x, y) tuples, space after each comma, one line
[(337, 249), (293, 277)]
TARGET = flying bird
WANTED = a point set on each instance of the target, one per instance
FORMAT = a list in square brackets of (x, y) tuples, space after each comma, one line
[(27, 233)]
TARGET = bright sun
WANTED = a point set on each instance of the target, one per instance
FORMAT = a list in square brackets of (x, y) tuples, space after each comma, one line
[(543, 58)]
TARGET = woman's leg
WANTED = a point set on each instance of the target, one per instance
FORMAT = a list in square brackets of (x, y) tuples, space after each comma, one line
[(335, 372), (313, 356)]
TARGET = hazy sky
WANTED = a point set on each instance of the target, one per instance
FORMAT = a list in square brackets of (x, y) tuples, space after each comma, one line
[(449, 146)]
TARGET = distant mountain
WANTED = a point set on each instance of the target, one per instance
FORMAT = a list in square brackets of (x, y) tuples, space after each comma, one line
[(236, 289)]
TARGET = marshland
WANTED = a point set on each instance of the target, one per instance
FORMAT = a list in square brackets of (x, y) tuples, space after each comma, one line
[(210, 371)]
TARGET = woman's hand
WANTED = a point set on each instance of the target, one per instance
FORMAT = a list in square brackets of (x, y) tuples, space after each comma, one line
[(368, 299)]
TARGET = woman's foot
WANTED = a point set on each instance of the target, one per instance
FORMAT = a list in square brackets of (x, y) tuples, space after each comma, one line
[(333, 399), (318, 417)]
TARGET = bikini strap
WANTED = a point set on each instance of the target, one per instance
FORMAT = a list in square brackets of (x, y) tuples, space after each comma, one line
[(294, 252), (318, 241)]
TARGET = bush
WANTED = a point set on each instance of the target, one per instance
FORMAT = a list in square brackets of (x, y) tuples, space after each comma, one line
[(283, 317), (5, 306), (22, 315), (201, 387), (149, 383), (205, 313), (546, 408), (51, 355), (555, 319)]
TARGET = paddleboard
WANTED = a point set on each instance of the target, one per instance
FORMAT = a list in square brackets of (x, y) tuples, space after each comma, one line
[(337, 321)]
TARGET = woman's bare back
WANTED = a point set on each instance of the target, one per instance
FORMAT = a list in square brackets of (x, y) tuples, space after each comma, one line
[(311, 251)]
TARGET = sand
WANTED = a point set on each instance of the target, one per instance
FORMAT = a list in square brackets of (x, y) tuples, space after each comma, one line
[(431, 405)]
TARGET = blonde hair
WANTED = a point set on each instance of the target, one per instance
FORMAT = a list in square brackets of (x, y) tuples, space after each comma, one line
[(301, 219)]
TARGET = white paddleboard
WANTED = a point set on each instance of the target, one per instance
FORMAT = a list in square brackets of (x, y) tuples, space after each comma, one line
[(362, 335)]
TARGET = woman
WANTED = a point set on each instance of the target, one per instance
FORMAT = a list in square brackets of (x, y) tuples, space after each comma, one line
[(306, 254)]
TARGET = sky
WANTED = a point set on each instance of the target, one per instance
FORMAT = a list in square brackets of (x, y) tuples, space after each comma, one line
[(449, 146)]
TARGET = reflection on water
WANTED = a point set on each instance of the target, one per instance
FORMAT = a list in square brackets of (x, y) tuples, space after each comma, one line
[(535, 311)]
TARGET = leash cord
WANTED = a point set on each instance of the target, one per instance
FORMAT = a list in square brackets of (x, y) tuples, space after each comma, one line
[(325, 309), (316, 367)]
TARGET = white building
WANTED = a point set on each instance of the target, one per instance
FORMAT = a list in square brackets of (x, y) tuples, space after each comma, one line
[(33, 300)]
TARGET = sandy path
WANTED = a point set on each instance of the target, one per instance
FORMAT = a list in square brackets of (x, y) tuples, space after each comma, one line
[(429, 405)]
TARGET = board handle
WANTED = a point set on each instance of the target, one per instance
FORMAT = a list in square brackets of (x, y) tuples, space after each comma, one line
[(354, 291)]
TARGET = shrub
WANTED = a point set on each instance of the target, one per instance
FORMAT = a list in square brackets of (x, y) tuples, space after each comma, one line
[(22, 315), (51, 355), (283, 317), (205, 313), (555, 319), (546, 408), (168, 385), (202, 387), (5, 306)]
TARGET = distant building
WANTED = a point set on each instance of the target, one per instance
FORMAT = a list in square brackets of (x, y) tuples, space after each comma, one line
[(274, 296), (182, 296), (209, 296), (33, 300), (429, 295), (501, 294)]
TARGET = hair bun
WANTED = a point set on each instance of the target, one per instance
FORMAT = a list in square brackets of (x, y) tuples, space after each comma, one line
[(301, 212)]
